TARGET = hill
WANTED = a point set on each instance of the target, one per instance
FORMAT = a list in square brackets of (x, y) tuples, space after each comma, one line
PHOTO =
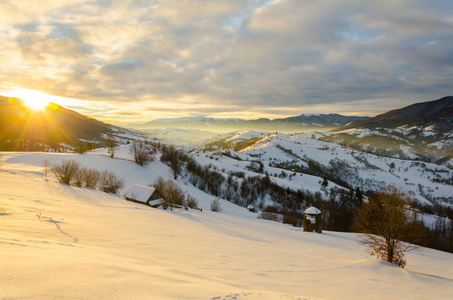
[(301, 155), (25, 129), (438, 114), (77, 243), (422, 131)]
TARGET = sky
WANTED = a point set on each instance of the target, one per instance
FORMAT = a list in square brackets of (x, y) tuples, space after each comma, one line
[(135, 60)]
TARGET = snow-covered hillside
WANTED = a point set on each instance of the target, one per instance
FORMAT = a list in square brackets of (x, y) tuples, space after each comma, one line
[(304, 153), (65, 242)]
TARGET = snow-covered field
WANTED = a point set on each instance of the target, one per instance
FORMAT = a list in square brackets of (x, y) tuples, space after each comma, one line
[(65, 242)]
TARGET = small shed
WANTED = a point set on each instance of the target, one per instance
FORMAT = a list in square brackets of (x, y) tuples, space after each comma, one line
[(251, 208), (143, 194), (312, 220)]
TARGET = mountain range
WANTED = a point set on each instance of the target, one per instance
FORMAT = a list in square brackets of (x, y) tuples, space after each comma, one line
[(304, 122)]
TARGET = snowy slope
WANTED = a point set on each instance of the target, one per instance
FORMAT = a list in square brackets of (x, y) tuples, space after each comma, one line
[(65, 242), (358, 168)]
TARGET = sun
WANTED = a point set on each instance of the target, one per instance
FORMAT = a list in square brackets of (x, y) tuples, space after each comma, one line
[(33, 99), (36, 104)]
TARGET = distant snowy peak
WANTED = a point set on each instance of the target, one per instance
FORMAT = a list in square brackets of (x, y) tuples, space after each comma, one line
[(303, 122), (322, 119), (194, 119)]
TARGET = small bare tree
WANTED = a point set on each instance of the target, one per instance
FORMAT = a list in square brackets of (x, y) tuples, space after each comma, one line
[(66, 171), (142, 153), (45, 164), (111, 144), (387, 225)]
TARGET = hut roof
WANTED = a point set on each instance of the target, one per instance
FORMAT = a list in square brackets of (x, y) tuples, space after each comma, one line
[(139, 192), (312, 211), (250, 206)]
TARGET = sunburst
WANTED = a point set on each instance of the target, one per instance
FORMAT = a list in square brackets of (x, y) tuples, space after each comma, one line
[(33, 99)]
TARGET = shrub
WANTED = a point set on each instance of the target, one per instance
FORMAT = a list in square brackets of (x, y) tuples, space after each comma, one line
[(110, 182), (215, 206), (79, 177), (66, 171), (91, 177), (265, 215), (171, 193), (191, 202), (292, 219)]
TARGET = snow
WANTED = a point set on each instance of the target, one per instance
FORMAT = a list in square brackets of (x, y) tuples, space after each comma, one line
[(312, 211), (139, 192), (367, 171), (65, 242)]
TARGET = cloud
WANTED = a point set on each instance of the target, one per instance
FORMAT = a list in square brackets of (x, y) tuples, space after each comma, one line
[(245, 57)]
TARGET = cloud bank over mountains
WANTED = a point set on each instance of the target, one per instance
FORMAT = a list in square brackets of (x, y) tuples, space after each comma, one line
[(230, 58)]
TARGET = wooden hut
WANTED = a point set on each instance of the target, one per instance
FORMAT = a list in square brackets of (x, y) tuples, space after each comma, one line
[(312, 220), (143, 194)]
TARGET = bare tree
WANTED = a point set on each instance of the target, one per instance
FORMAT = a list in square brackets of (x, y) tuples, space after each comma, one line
[(387, 225), (142, 153), (111, 144)]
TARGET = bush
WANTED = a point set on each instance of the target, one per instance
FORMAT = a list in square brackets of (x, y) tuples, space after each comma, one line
[(79, 177), (66, 171), (292, 219), (110, 182), (265, 215), (170, 192), (191, 202), (215, 206), (91, 177)]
